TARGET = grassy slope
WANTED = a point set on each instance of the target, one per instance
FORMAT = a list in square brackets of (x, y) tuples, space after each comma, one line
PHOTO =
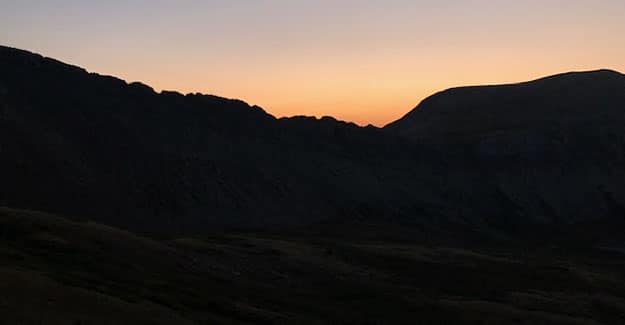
[(55, 271)]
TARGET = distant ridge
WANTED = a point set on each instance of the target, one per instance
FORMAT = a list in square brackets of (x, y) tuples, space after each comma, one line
[(552, 145), (570, 91), (86, 145), (495, 158)]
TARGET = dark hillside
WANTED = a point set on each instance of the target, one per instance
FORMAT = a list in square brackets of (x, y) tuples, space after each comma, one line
[(55, 271), (80, 144), (495, 158), (554, 147)]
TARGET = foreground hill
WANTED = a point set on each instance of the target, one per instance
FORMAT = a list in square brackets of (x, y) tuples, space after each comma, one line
[(56, 271), (495, 158)]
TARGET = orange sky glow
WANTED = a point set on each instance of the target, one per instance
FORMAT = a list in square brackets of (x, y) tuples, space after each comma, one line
[(360, 61)]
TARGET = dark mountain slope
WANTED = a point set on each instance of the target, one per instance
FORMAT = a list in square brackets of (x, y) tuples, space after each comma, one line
[(555, 146), (80, 144), (83, 144), (560, 102)]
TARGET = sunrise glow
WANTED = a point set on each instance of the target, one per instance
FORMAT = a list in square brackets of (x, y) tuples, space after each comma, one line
[(361, 61)]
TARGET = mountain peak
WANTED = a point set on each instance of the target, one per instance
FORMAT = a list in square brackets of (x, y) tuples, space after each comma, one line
[(566, 92), (577, 76)]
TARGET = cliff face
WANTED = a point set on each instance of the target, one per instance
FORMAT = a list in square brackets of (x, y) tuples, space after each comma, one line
[(85, 145)]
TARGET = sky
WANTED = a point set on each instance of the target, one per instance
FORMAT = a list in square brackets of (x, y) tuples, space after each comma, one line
[(368, 61)]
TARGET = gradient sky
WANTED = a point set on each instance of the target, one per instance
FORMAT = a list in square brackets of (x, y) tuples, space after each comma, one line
[(365, 61)]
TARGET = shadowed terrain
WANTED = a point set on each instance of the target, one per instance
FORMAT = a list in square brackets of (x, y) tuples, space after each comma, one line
[(55, 271), (82, 144), (484, 205), (553, 147), (78, 144)]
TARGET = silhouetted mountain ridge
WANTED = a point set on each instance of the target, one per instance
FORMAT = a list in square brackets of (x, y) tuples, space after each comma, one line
[(554, 145), (553, 98), (84, 145)]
